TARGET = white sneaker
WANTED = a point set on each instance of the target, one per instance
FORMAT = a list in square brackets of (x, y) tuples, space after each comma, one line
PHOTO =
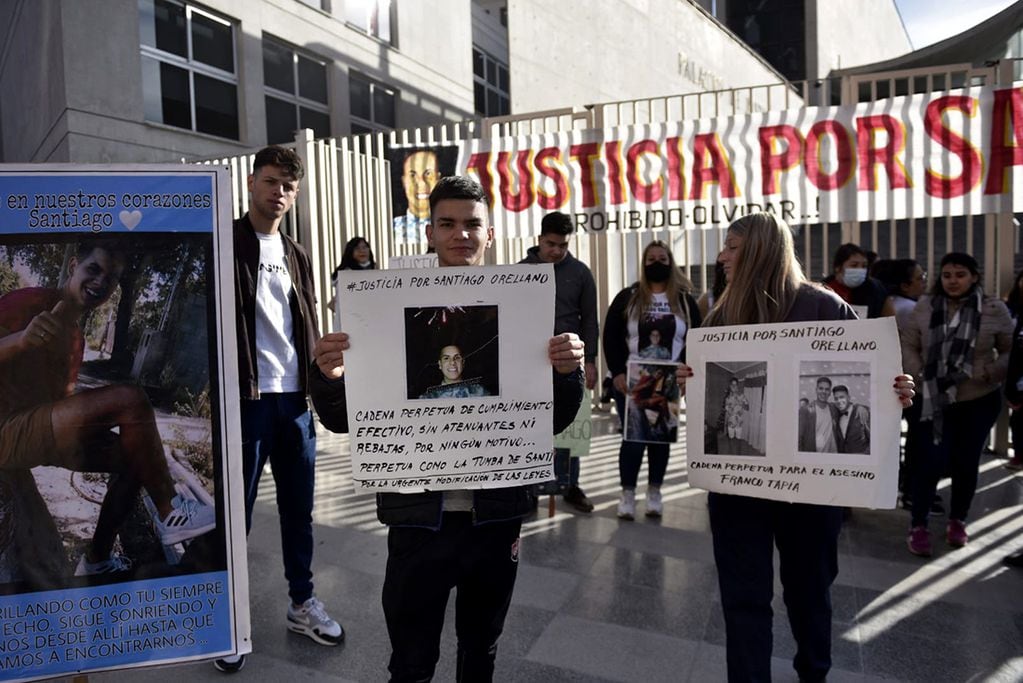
[(115, 563), (188, 519), (627, 505), (654, 506), (311, 619)]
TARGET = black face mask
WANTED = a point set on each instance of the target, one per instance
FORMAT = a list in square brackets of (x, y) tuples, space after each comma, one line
[(657, 272)]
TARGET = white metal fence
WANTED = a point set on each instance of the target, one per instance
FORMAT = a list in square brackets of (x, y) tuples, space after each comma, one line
[(347, 191)]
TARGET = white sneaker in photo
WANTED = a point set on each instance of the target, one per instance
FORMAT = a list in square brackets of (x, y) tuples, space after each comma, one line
[(654, 505), (187, 519), (115, 563), (311, 619), (627, 505)]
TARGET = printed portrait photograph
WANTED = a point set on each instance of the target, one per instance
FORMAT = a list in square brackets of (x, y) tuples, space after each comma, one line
[(735, 417), (414, 173), (653, 402), (452, 352), (106, 402), (834, 407)]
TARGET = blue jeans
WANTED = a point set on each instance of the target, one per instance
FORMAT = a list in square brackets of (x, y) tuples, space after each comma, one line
[(745, 532), (280, 428), (630, 455), (967, 424)]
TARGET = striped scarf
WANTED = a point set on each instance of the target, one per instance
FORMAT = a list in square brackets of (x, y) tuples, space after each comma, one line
[(949, 354)]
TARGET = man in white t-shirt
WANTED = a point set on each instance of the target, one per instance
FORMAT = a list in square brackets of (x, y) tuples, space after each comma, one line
[(276, 322)]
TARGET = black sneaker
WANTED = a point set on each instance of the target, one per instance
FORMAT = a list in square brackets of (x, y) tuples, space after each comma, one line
[(230, 665), (575, 497), (1014, 560)]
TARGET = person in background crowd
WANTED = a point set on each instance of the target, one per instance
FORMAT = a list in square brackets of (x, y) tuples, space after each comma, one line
[(1014, 379), (905, 281), (356, 256), (710, 297), (766, 285), (575, 310), (957, 348), (661, 300), (850, 281)]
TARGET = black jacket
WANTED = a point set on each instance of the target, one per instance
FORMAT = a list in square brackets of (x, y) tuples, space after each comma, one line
[(616, 331), (303, 304), (426, 509), (575, 301)]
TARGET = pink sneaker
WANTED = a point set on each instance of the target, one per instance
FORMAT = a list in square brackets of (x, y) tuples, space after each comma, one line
[(955, 533), (919, 541), (1015, 463)]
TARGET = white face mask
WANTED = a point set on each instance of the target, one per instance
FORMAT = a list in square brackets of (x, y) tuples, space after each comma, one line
[(854, 277)]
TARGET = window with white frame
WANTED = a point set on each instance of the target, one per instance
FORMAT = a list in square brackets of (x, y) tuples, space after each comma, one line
[(491, 88), (372, 104), (189, 76), (374, 17), (296, 92)]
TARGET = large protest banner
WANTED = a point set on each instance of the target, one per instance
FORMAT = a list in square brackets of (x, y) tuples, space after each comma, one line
[(448, 381), (801, 412), (936, 154), (122, 537)]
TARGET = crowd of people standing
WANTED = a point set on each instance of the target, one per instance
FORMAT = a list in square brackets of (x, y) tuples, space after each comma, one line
[(956, 344)]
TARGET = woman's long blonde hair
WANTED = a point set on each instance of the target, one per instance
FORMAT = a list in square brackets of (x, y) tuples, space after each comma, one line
[(765, 277), (675, 287)]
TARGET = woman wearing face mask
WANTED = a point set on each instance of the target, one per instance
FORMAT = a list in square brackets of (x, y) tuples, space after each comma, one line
[(661, 302), (950, 348), (864, 294), (766, 285)]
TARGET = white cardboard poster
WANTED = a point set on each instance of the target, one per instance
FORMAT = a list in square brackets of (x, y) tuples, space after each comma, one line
[(800, 412), (448, 379), (412, 261)]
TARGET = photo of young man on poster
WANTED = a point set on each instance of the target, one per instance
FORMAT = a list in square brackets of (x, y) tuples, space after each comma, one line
[(461, 360), (414, 173), (80, 394)]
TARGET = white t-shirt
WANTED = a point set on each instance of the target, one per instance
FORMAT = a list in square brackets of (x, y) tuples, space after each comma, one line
[(276, 356), (670, 328)]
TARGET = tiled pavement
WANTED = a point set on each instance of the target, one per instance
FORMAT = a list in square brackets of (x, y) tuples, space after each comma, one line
[(602, 600)]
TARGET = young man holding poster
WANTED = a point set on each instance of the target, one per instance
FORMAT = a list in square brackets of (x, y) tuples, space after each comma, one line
[(439, 540), (276, 322), (575, 310)]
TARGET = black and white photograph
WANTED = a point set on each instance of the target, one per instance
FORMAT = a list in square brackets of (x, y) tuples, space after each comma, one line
[(460, 358), (834, 407), (735, 417), (653, 402)]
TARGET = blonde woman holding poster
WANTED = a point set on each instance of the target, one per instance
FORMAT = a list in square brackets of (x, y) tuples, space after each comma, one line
[(767, 285), (648, 320)]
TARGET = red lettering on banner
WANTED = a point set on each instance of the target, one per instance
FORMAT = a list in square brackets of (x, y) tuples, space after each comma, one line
[(676, 173), (707, 148), (871, 156), (644, 192), (937, 184), (480, 163), (843, 152), (1006, 125), (521, 199), (615, 182), (772, 163), (586, 155), (549, 165)]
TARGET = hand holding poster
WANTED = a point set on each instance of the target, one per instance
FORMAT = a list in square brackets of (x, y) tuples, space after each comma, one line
[(801, 412), (449, 385)]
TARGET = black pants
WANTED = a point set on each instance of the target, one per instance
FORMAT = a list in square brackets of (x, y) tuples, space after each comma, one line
[(745, 531), (422, 568), (966, 426)]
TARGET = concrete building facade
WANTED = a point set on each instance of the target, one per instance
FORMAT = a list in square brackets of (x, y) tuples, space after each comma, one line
[(157, 80)]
